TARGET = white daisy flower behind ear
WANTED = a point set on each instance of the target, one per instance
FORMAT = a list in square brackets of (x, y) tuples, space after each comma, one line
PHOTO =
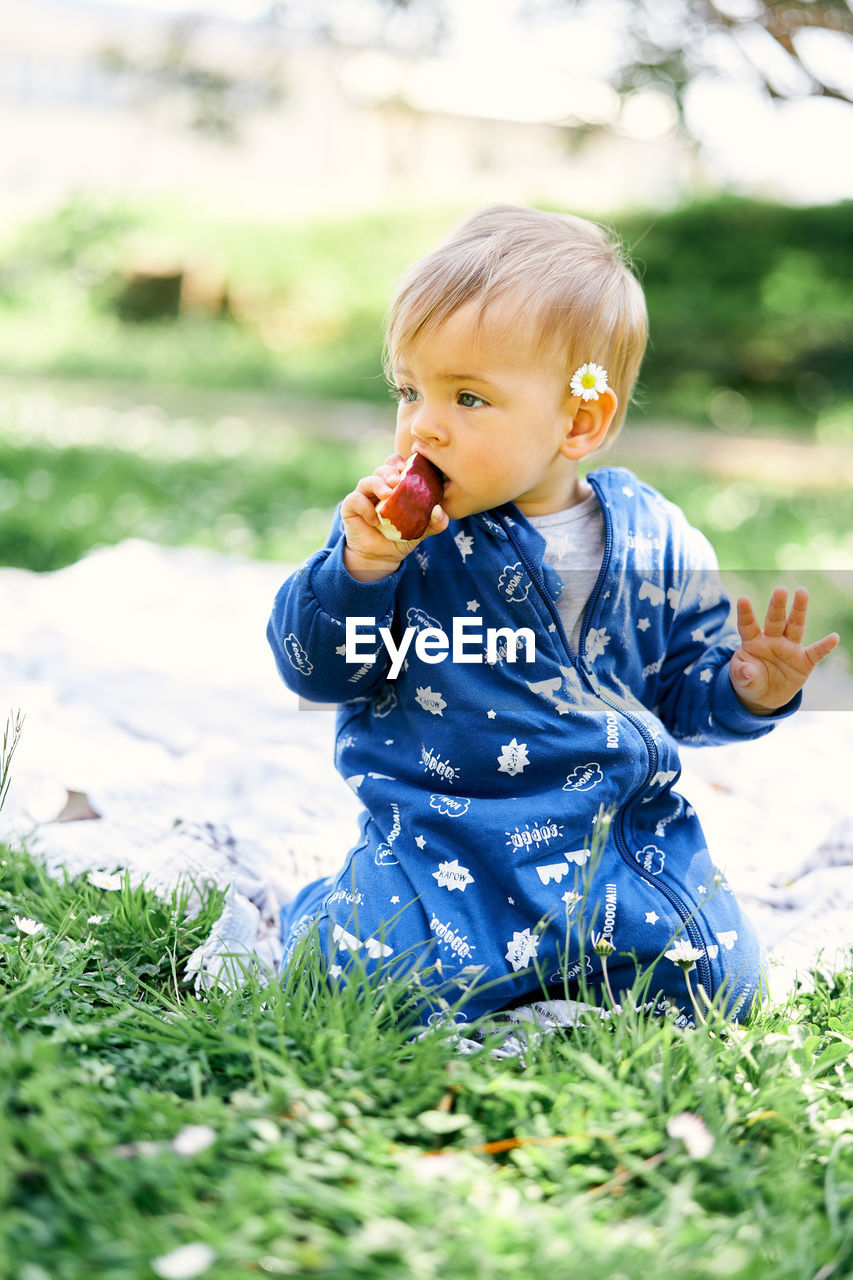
[(589, 381), (26, 925)]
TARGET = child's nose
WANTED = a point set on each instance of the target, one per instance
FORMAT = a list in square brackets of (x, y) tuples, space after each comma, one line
[(428, 424)]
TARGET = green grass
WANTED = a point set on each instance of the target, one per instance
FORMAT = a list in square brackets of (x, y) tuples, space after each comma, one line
[(300, 1131), (78, 472)]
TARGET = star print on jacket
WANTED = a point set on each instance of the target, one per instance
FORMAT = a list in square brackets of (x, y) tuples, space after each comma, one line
[(465, 543), (453, 876), (430, 701), (513, 758), (521, 949)]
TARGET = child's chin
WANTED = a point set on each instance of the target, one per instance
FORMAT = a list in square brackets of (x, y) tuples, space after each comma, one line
[(453, 503)]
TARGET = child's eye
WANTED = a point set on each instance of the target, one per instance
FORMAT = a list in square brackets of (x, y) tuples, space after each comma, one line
[(404, 393), (469, 401)]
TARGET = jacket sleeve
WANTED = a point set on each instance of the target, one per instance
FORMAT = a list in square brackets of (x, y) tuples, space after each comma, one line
[(307, 630), (694, 696)]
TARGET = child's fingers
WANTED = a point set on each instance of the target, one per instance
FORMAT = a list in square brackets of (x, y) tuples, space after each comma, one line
[(820, 649), (747, 624), (796, 625), (379, 484), (438, 521), (361, 505), (391, 469), (744, 674), (776, 618)]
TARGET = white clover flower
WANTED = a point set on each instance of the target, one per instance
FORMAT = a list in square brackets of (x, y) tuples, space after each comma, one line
[(684, 954), (589, 381), (265, 1129), (192, 1139), (185, 1262), (101, 880), (693, 1132), (26, 925)]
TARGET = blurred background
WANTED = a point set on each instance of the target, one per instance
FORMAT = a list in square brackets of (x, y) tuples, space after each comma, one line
[(202, 212)]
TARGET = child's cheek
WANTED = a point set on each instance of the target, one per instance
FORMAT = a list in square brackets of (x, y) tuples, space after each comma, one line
[(403, 441)]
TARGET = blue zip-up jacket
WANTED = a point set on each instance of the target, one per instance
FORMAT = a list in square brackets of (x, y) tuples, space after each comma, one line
[(482, 780)]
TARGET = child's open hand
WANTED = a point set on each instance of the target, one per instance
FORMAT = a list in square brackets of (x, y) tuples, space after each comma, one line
[(771, 666), (369, 554)]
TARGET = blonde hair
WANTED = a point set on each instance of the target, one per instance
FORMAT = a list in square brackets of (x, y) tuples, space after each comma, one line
[(572, 281)]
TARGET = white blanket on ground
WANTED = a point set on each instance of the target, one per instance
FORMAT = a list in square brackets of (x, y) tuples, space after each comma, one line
[(146, 683)]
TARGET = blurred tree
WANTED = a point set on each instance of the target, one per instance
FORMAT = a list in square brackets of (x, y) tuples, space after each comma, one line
[(212, 96), (792, 47)]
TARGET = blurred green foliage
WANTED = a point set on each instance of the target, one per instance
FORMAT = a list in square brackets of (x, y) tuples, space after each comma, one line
[(294, 307), (751, 304), (755, 298)]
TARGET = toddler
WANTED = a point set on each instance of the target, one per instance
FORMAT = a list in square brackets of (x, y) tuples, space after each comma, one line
[(521, 675)]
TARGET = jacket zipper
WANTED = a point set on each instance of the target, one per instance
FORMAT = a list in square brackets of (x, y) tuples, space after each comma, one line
[(582, 666)]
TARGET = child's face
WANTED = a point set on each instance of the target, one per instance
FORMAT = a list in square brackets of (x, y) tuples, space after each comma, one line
[(491, 410)]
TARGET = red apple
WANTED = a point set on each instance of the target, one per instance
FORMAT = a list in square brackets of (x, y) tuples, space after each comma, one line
[(405, 513)]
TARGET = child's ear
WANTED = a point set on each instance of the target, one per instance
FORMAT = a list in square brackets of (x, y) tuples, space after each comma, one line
[(588, 423)]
